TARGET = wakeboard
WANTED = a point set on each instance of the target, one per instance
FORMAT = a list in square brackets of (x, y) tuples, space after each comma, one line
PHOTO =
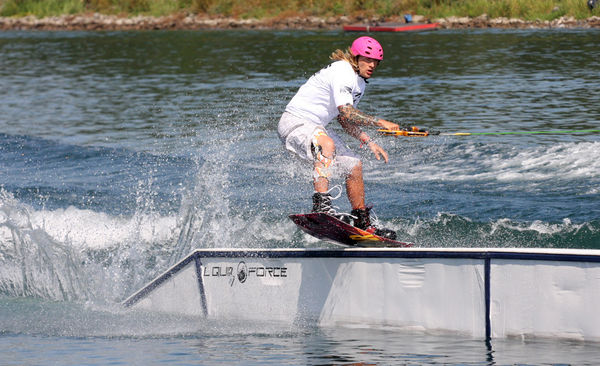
[(329, 228)]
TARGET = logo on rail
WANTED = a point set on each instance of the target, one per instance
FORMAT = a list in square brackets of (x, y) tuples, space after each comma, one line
[(243, 272)]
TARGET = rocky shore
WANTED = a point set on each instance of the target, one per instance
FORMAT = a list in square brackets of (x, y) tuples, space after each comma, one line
[(102, 22)]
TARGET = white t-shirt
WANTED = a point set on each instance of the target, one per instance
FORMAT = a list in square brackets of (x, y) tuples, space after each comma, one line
[(335, 85)]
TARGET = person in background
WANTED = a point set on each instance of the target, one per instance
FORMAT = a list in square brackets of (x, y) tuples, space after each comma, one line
[(334, 93)]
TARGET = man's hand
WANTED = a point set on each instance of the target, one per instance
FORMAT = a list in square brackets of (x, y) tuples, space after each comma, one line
[(388, 125), (378, 151)]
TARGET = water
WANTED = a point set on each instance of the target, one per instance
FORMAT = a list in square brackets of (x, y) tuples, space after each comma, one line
[(120, 152)]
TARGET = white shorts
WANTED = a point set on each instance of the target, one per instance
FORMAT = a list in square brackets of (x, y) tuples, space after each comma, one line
[(297, 134)]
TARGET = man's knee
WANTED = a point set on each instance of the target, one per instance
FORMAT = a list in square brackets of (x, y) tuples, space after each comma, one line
[(323, 151), (324, 143)]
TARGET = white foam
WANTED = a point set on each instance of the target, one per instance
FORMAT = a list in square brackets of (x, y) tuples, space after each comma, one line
[(465, 163), (536, 226), (83, 228), (90, 229)]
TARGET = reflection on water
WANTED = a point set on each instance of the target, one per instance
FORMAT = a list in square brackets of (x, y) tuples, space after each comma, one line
[(99, 336)]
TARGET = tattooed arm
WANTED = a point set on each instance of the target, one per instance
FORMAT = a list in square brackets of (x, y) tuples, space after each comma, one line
[(350, 115), (352, 127)]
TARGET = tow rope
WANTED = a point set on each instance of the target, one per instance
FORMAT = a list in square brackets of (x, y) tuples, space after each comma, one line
[(418, 132)]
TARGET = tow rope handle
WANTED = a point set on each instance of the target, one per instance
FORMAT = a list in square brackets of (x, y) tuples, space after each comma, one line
[(411, 131)]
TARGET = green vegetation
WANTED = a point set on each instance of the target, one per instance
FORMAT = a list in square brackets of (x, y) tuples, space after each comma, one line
[(40, 8), (524, 9)]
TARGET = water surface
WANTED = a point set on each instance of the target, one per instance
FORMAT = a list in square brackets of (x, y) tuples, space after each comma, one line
[(120, 152)]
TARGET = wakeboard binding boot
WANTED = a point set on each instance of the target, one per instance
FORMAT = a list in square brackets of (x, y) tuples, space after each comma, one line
[(363, 221), (322, 204)]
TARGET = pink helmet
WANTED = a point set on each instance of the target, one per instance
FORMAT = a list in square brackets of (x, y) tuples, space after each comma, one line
[(368, 47)]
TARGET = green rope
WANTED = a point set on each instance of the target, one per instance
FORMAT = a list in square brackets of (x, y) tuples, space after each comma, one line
[(520, 133)]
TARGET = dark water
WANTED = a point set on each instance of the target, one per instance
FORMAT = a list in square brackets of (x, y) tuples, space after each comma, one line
[(120, 152)]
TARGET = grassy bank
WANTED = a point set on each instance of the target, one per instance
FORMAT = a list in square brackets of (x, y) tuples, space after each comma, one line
[(524, 9)]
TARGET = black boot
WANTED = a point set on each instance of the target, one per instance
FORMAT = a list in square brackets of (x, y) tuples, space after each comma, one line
[(321, 202), (363, 221)]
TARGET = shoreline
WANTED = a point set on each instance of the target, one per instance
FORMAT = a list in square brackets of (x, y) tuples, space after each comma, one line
[(101, 22)]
